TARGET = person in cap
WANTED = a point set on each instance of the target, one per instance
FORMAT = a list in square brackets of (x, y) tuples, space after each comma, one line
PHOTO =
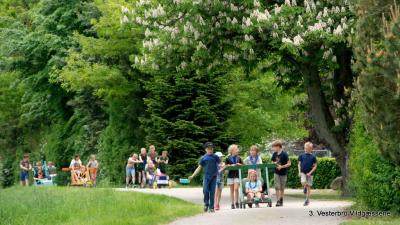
[(220, 180), (209, 162)]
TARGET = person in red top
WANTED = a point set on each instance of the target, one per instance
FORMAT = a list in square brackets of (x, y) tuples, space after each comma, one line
[(25, 166)]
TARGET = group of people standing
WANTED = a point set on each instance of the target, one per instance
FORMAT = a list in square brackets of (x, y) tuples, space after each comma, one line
[(146, 167), (214, 166), (81, 174), (41, 171)]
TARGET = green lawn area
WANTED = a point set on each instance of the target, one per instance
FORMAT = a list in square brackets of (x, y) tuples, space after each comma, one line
[(322, 194), (74, 205), (374, 221)]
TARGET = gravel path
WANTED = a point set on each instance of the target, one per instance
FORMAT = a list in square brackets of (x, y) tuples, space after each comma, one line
[(293, 211)]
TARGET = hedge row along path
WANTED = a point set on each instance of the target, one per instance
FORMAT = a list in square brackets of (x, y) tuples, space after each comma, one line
[(293, 211)]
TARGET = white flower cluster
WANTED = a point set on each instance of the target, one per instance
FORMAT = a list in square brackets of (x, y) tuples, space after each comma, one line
[(141, 61), (147, 33), (317, 26), (182, 66), (201, 46), (154, 12), (124, 10), (248, 37), (297, 40), (309, 5), (124, 19), (142, 3), (189, 28), (327, 53), (231, 56), (260, 16), (277, 9), (234, 8), (152, 43), (338, 30), (173, 31), (246, 22)]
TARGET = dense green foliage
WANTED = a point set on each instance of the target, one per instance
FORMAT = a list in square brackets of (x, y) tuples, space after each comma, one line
[(103, 65), (378, 48), (261, 110), (109, 77), (372, 173), (66, 69), (375, 138), (89, 206)]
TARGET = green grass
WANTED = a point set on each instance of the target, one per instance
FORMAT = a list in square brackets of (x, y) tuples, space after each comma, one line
[(62, 205), (391, 220), (322, 194)]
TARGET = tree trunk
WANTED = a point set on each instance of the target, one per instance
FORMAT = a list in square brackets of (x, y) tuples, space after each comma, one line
[(324, 121)]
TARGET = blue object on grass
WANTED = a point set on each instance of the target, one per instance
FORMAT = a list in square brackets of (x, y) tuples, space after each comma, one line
[(184, 181)]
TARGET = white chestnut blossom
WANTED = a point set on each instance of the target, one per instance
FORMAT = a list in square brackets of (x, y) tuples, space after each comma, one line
[(338, 30), (124, 10), (287, 40), (147, 33), (277, 9), (124, 19), (234, 21), (298, 40)]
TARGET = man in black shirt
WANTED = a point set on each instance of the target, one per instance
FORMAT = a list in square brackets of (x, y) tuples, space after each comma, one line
[(282, 161)]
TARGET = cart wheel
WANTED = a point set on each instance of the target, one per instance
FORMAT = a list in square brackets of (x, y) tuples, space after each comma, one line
[(244, 206)]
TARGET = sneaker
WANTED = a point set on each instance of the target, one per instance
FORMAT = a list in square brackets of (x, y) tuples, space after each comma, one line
[(233, 206), (306, 203), (257, 205), (281, 201), (305, 190), (205, 208), (216, 207), (278, 203), (211, 211), (237, 205)]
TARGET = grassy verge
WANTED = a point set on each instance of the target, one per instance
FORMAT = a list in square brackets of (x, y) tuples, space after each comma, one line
[(322, 194), (391, 220), (62, 205)]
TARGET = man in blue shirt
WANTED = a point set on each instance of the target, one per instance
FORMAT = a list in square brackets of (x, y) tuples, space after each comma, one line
[(210, 164), (307, 166)]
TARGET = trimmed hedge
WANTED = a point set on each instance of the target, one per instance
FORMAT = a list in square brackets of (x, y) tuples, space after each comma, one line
[(374, 180), (327, 171)]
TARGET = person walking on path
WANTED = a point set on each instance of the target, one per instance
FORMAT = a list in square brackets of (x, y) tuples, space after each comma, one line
[(307, 166), (282, 161), (209, 162)]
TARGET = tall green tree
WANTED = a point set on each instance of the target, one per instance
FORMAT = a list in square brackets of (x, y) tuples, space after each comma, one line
[(261, 110), (377, 49), (103, 64), (306, 44), (35, 49)]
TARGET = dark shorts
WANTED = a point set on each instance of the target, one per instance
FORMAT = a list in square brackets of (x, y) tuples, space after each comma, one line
[(24, 175)]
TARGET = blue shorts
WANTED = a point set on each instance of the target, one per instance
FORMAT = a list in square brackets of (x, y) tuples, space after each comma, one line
[(130, 171), (24, 175)]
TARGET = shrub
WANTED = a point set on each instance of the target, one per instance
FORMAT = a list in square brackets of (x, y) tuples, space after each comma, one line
[(327, 171), (374, 180)]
